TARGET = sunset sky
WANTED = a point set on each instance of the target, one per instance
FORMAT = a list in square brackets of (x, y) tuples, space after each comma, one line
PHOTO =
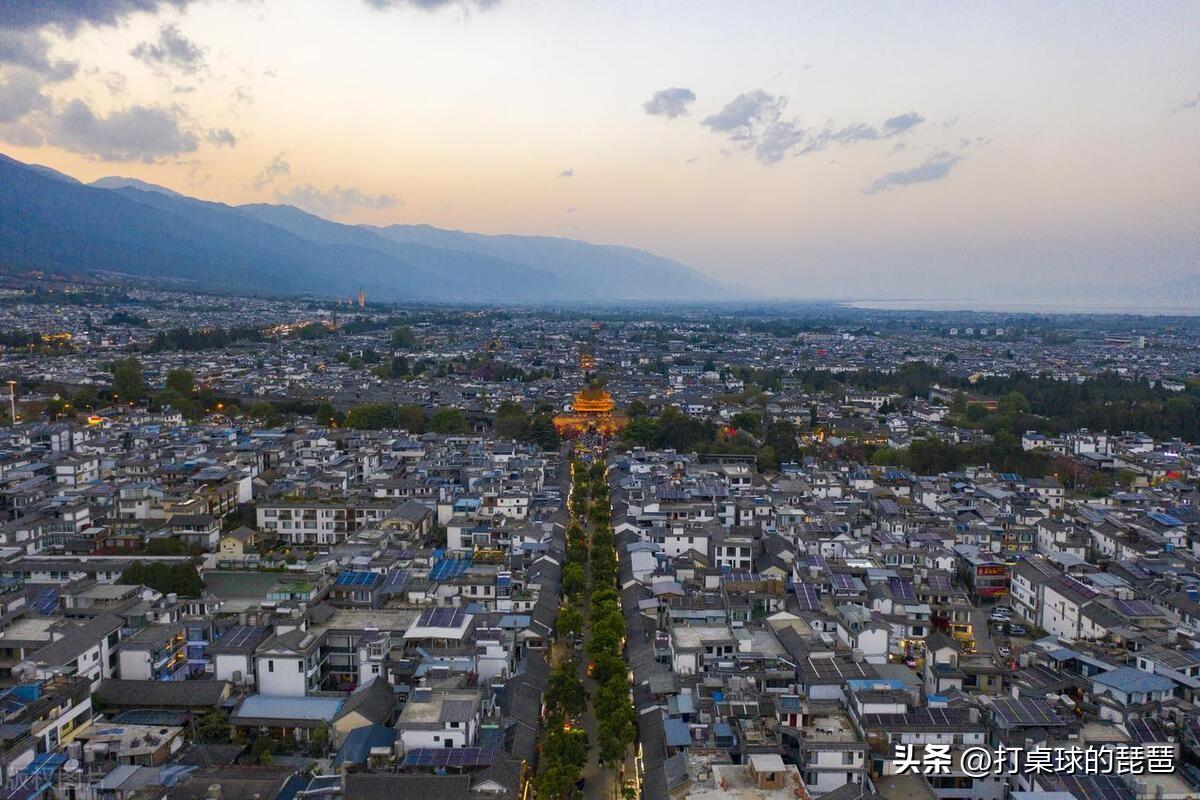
[(798, 149)]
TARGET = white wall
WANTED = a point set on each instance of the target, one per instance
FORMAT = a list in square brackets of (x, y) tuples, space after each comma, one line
[(226, 664), (134, 665), (281, 676)]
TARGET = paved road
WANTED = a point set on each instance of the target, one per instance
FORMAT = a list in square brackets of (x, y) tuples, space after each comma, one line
[(983, 634), (600, 783)]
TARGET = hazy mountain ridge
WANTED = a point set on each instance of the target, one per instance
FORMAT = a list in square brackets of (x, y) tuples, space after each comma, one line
[(132, 227)]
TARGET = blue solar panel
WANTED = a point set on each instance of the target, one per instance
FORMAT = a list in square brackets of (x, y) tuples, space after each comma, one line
[(807, 597), (1080, 587), (397, 580), (842, 581), (449, 568), (45, 601), (1165, 519), (45, 764), (453, 757), (357, 578), (441, 618), (240, 635), (902, 589), (1136, 608), (939, 582)]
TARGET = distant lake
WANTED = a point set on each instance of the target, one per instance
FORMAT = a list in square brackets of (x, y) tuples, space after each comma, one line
[(1011, 307)]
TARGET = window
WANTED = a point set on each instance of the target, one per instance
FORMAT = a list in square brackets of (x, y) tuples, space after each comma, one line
[(299, 666)]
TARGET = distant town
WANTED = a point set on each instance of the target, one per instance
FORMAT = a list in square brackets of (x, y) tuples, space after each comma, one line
[(258, 547)]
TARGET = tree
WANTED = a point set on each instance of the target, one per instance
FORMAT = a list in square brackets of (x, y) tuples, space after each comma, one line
[(781, 437), (128, 383), (403, 338), (169, 546), (543, 433), (320, 741), (749, 421), (181, 381), (511, 421), (1014, 403), (371, 416), (180, 578), (266, 412), (213, 727), (557, 782), (573, 581), (564, 691), (326, 415), (411, 418), (86, 398), (1100, 484), (448, 420), (260, 750), (570, 622)]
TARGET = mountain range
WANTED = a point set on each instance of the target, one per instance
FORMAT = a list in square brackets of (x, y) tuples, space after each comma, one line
[(125, 226)]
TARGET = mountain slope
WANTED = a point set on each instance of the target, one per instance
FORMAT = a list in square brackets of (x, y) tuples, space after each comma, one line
[(51, 224), (478, 276), (117, 182), (123, 225), (600, 271)]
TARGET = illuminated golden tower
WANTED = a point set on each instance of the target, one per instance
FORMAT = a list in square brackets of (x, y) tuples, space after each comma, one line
[(593, 411)]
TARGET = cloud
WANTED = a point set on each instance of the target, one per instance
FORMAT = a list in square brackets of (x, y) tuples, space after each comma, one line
[(902, 123), (69, 15), (670, 103), (741, 115), (31, 50), (21, 93), (116, 83), (136, 133), (221, 137), (863, 132), (1187, 105), (242, 94), (430, 5), (21, 134), (777, 141), (754, 121), (172, 49), (277, 167), (335, 201), (934, 168), (567, 173)]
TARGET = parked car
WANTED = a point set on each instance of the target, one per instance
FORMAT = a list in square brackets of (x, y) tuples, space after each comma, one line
[(1017, 630)]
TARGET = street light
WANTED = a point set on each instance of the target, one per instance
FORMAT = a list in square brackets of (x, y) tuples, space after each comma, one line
[(12, 400)]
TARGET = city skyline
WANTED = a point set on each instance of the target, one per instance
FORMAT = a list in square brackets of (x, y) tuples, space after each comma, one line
[(816, 152)]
